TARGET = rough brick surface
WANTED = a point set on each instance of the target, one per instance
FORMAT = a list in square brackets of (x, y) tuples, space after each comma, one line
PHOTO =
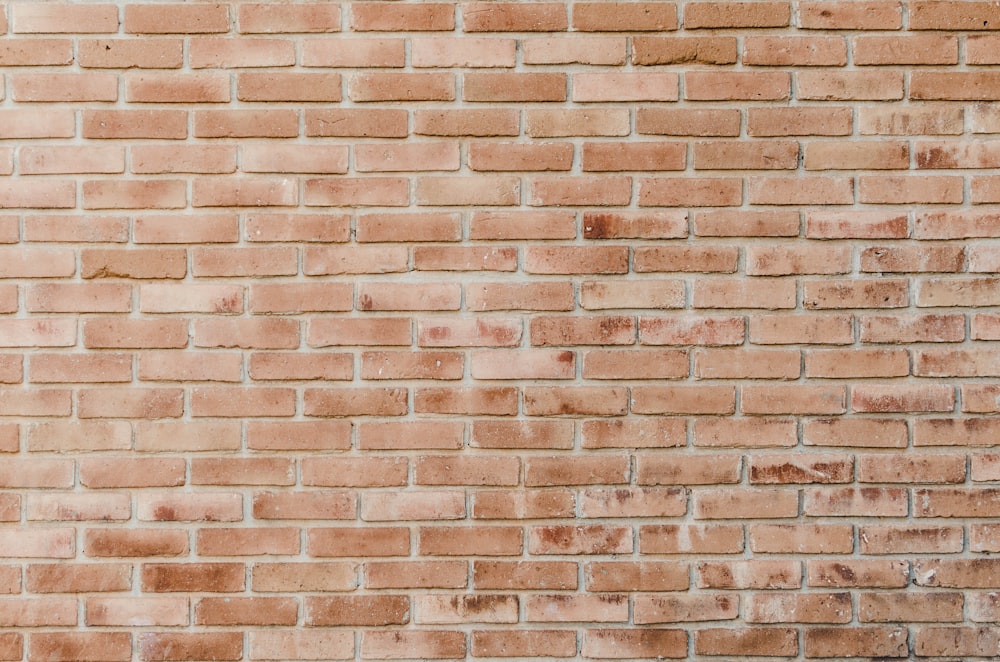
[(371, 330)]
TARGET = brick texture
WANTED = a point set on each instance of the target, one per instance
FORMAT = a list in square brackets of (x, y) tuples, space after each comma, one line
[(377, 330)]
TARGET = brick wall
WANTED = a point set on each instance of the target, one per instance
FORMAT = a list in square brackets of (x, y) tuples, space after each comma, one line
[(381, 330)]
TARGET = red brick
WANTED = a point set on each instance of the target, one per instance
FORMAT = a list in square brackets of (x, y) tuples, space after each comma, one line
[(463, 609), (917, 49), (78, 578), (653, 608), (802, 121), (795, 51), (269, 18), (63, 18), (801, 538), (353, 402), (80, 646), (861, 641), (687, 122), (72, 228), (265, 644), (354, 122), (589, 539), (401, 87), (889, 573), (359, 52), (177, 88), (223, 53), (687, 539), (737, 15), (705, 469), (575, 122), (136, 611), (513, 17), (463, 122), (864, 15), (595, 87), (402, 644), (747, 641), (743, 85), (147, 53), (171, 646), (577, 49), (680, 50), (756, 574), (882, 433)]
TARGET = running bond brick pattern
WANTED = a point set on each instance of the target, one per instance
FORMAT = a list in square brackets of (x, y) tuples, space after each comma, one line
[(424, 330)]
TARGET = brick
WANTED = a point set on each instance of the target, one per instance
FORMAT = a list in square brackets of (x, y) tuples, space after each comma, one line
[(687, 122), (176, 18), (535, 504), (752, 503), (223, 53), (874, 641), (138, 543), (594, 87), (651, 609), (685, 539), (803, 538), (82, 646), (72, 228), (244, 124), (177, 88), (275, 19), (512, 17), (428, 645), (700, 399), (420, 574), (898, 398), (470, 121), (304, 645), (150, 53), (752, 641), (857, 155), (705, 469), (485, 156), (170, 646), (401, 87), (804, 121), (742, 85), (573, 50), (590, 539), (384, 122), (542, 123), (910, 50), (793, 259), (63, 18), (736, 15), (557, 643), (915, 120), (795, 51), (71, 160), (132, 611), (854, 573), (127, 124), (679, 50), (37, 123), (690, 192), (726, 155), (374, 191), (866, 15), (757, 574), (887, 293), (156, 194), (361, 52)]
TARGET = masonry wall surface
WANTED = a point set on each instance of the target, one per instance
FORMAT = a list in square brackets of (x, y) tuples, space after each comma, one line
[(423, 330)]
